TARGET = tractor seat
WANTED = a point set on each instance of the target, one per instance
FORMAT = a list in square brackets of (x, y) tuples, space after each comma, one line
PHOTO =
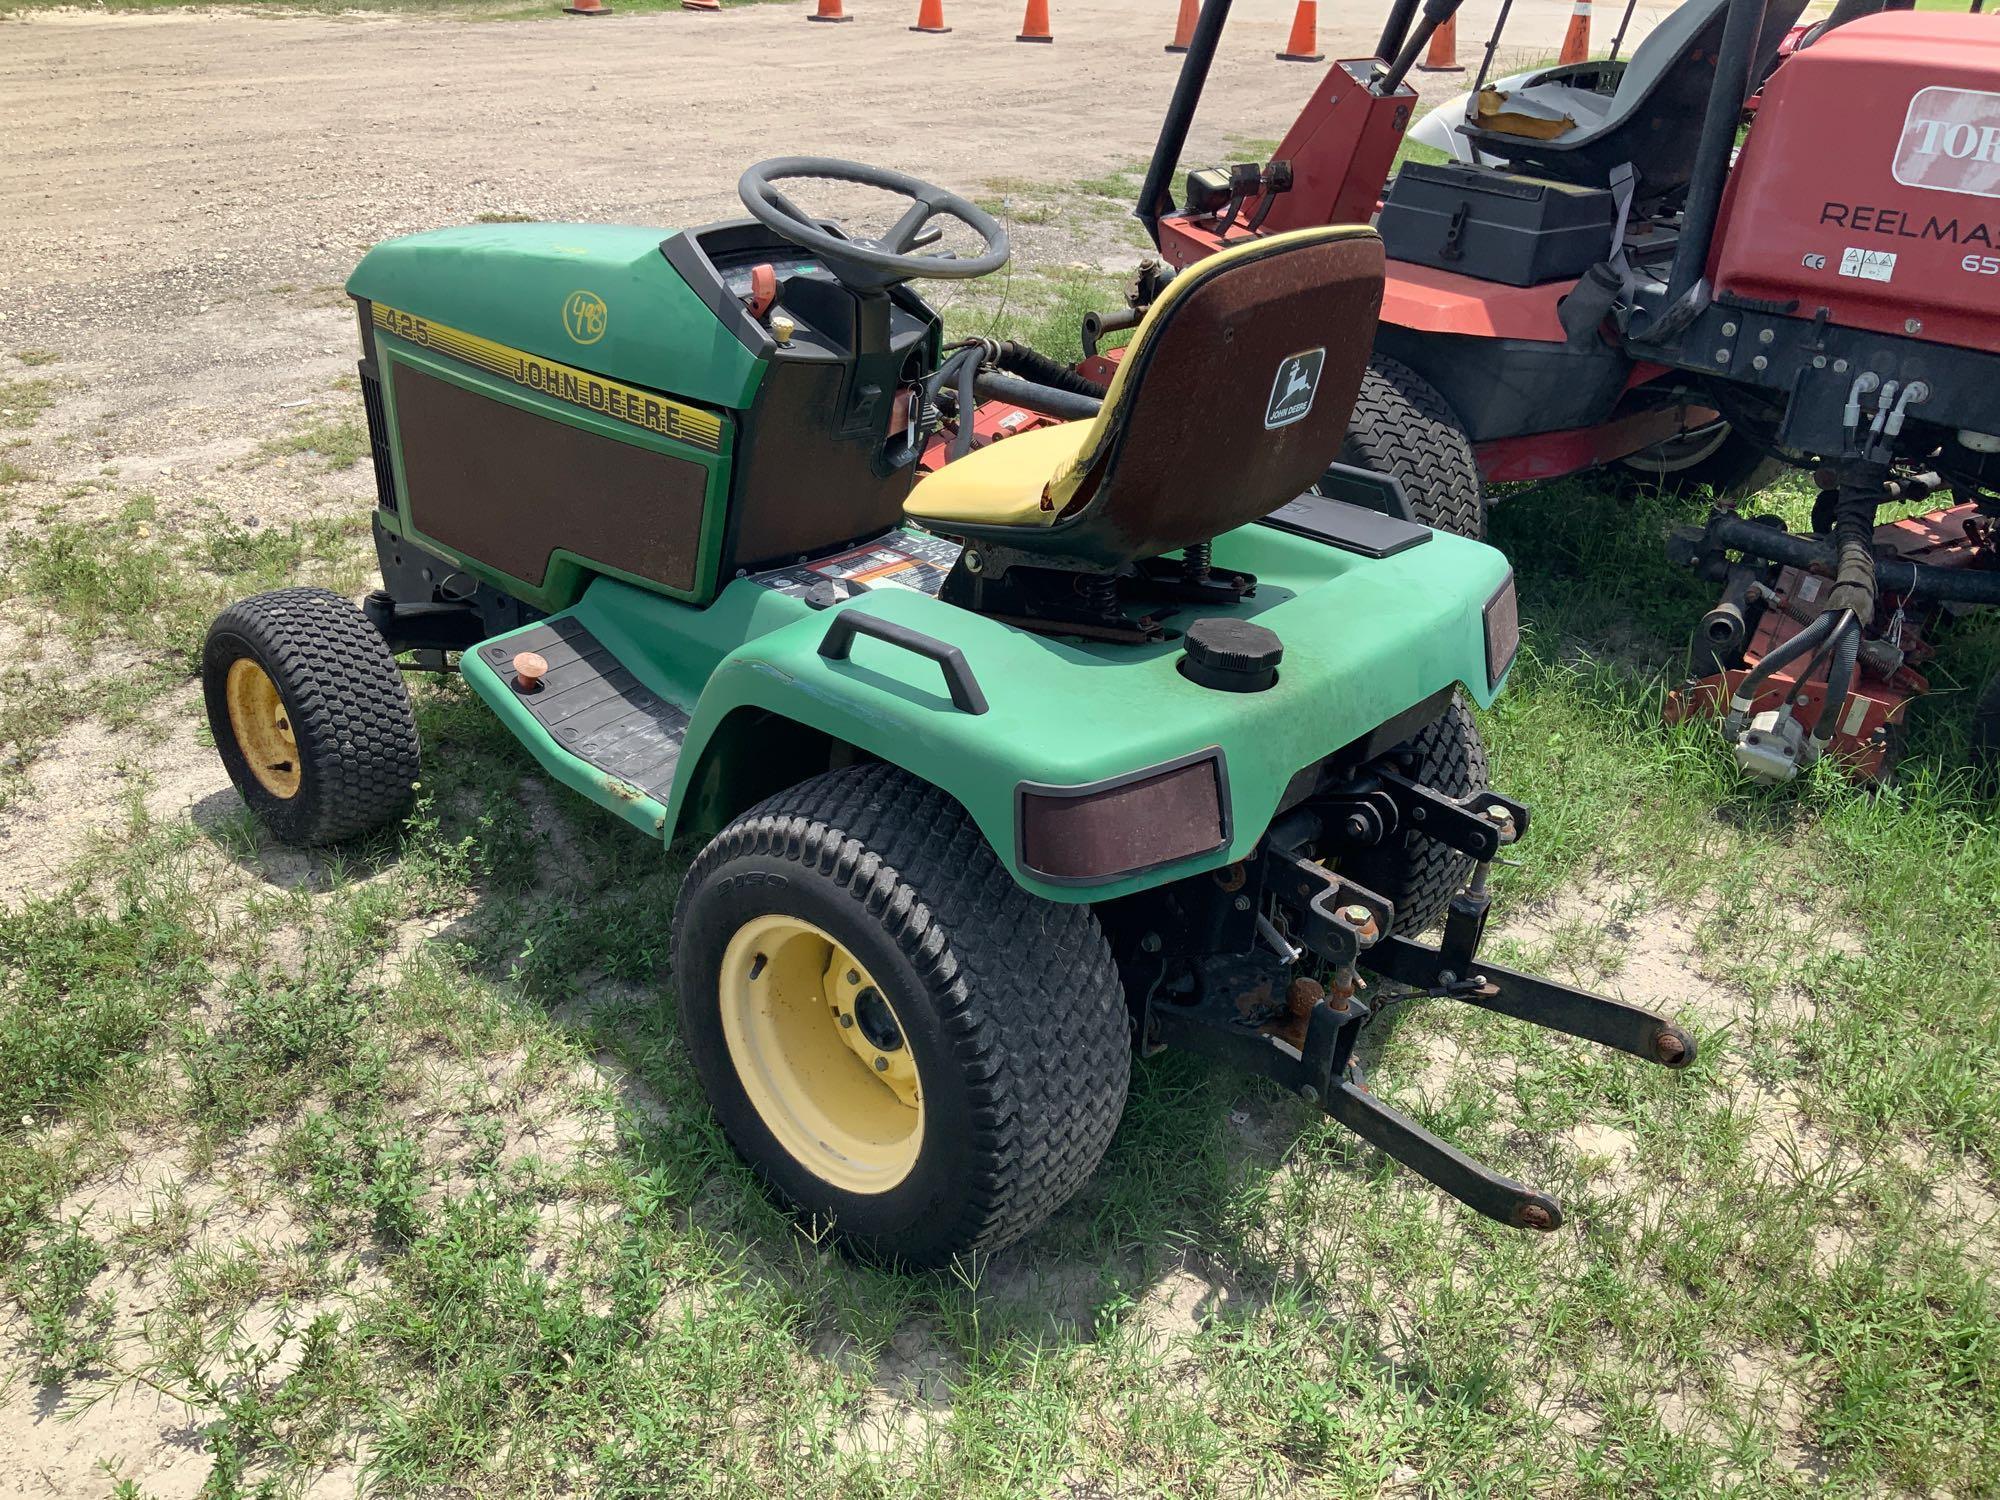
[(1231, 399), (1654, 121)]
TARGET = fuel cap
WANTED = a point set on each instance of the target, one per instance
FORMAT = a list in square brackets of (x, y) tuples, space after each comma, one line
[(1232, 656)]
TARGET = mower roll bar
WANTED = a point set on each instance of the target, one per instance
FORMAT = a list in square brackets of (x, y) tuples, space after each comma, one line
[(1719, 123), (1398, 41), (1156, 196)]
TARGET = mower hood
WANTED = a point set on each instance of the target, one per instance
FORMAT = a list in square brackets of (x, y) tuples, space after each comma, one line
[(600, 297)]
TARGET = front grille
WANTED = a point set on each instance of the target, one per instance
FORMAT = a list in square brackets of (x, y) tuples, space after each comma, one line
[(378, 438)]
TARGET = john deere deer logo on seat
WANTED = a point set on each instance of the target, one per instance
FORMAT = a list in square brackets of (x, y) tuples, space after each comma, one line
[(584, 316), (1293, 386)]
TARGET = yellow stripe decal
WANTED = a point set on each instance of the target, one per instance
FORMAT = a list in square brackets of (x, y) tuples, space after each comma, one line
[(624, 403)]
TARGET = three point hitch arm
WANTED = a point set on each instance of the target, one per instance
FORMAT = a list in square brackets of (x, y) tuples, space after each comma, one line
[(1309, 1047)]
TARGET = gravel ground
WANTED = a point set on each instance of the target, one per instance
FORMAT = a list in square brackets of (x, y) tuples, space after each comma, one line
[(163, 173)]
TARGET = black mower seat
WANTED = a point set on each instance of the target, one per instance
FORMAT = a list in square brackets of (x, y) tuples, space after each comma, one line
[(1655, 117), (1232, 398)]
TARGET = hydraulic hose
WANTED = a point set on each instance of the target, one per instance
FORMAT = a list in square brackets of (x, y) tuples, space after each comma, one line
[(1032, 364), (1854, 539), (959, 373), (1839, 680), (1049, 400), (1746, 693)]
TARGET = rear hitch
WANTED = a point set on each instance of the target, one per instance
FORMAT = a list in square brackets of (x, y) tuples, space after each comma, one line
[(1306, 1042)]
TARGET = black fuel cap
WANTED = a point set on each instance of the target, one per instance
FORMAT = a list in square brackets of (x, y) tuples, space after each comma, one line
[(1232, 656)]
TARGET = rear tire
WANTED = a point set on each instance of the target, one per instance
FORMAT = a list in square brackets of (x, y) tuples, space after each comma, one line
[(1403, 428), (1716, 458), (1419, 874), (1007, 1007), (310, 715)]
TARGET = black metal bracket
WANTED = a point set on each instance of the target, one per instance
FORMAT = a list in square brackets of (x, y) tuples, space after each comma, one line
[(1215, 1029), (845, 626), (1480, 823), (1310, 1051), (1320, 1072), (1472, 1183), (424, 627), (1544, 1002), (1336, 918)]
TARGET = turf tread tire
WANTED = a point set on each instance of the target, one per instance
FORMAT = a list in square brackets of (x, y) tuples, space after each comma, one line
[(349, 710), (1402, 427), (1025, 992)]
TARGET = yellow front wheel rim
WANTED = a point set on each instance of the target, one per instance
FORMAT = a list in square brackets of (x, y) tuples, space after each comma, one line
[(821, 1054), (263, 728)]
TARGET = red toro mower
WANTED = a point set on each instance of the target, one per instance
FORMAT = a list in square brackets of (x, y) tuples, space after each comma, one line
[(1619, 285)]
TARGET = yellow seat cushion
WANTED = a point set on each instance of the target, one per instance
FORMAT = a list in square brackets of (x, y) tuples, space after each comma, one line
[(1003, 484), (1032, 480)]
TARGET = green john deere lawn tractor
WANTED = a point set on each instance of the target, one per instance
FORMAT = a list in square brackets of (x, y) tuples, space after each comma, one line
[(1110, 736)]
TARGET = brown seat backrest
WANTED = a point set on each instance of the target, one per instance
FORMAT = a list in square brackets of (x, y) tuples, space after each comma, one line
[(1231, 400)]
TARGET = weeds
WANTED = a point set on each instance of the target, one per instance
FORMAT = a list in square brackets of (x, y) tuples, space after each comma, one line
[(335, 442)]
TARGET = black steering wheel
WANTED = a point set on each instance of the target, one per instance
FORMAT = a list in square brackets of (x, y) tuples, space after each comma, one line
[(879, 262)]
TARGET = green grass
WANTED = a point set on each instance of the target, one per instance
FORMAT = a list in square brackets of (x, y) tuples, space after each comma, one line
[(432, 1189), (34, 357), (96, 584), (331, 442), (23, 401)]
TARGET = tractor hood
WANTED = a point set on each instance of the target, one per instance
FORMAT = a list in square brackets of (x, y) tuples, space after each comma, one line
[(600, 297)]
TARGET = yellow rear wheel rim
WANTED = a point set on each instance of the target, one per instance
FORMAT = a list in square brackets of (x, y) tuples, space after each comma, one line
[(821, 1054), (263, 728)]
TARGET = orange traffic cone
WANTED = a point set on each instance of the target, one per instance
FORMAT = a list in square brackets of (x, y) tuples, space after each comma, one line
[(1304, 43), (587, 8), (930, 18), (829, 10), (1035, 24), (1576, 40), (1443, 54), (1184, 27)]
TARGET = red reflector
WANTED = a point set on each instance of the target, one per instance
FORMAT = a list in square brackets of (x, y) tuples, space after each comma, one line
[(1081, 835), (1503, 632)]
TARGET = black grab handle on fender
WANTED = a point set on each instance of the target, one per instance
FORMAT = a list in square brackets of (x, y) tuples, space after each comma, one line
[(845, 626)]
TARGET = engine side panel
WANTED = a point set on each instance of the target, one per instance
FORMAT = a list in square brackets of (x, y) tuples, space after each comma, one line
[(532, 476), (1870, 182)]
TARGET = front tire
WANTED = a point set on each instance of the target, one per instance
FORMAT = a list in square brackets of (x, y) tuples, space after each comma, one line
[(898, 1038), (310, 715), (1403, 428)]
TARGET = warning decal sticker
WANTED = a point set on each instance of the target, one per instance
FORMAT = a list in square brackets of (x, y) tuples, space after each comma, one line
[(1869, 265), (900, 560)]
